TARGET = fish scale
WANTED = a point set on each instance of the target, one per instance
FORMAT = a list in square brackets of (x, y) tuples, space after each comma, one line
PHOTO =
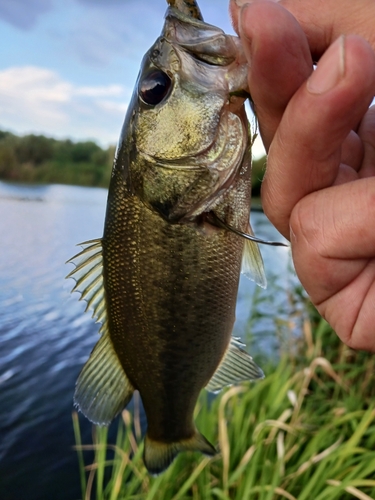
[(186, 279), (164, 277)]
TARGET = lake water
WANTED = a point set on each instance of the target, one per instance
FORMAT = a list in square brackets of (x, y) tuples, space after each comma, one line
[(45, 338)]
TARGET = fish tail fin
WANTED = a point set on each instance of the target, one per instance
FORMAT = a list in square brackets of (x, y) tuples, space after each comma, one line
[(158, 455)]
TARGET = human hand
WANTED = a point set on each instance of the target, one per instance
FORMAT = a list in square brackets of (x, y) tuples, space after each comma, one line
[(324, 21), (319, 189)]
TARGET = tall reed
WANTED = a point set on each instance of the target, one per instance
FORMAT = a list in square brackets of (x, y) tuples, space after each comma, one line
[(307, 431)]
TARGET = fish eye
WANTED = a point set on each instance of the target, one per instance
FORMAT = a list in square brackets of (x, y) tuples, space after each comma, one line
[(154, 87)]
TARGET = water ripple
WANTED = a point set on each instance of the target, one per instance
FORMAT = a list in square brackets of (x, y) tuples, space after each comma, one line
[(45, 337)]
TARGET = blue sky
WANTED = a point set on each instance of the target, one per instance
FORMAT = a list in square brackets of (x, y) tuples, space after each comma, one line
[(68, 67)]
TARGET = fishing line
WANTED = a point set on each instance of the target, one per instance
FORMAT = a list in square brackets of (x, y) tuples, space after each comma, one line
[(250, 237)]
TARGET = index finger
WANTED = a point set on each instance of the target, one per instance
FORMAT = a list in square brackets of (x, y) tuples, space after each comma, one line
[(279, 59)]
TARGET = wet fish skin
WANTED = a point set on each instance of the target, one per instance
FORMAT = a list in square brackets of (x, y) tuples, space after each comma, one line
[(163, 280), (180, 287)]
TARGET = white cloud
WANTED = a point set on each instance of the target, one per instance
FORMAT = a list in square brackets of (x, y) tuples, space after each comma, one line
[(35, 99), (97, 91)]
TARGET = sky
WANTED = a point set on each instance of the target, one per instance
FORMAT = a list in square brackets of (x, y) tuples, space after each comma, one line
[(68, 67)]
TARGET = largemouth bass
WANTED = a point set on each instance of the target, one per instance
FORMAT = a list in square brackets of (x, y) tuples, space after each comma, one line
[(163, 279)]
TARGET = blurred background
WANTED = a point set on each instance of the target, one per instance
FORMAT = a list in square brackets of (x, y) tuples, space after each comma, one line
[(67, 71)]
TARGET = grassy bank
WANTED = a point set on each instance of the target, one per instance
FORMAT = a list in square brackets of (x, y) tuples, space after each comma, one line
[(306, 431)]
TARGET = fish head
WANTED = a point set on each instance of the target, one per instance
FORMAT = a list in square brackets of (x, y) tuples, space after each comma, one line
[(186, 132)]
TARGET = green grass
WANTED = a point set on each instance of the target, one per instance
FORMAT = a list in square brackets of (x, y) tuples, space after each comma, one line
[(307, 431)]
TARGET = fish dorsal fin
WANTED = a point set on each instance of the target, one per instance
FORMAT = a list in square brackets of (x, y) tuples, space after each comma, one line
[(88, 275), (236, 366), (102, 388), (157, 455), (252, 262)]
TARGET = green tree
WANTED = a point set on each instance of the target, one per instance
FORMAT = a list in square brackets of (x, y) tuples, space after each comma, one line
[(34, 149), (8, 159)]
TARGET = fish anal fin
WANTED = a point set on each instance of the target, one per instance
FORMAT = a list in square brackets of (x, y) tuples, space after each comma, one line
[(252, 262), (237, 366), (102, 388), (158, 456)]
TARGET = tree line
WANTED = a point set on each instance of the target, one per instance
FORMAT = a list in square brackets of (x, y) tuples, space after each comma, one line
[(44, 160), (39, 159)]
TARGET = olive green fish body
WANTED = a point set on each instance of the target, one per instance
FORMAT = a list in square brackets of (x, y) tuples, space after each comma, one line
[(163, 280), (172, 289)]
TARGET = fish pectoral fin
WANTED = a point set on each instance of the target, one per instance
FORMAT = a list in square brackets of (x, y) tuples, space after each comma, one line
[(158, 456), (102, 388), (237, 366), (252, 262)]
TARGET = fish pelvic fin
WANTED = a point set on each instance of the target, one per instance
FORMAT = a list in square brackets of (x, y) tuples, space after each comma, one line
[(236, 366), (158, 456), (102, 388)]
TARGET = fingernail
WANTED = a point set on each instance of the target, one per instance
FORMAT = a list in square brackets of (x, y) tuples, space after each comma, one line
[(330, 69)]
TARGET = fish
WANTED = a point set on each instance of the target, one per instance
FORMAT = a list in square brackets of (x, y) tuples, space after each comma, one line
[(164, 277)]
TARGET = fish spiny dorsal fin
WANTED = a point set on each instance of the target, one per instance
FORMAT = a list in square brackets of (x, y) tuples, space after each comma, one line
[(237, 366), (158, 456), (88, 275), (188, 7), (252, 262), (102, 388)]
